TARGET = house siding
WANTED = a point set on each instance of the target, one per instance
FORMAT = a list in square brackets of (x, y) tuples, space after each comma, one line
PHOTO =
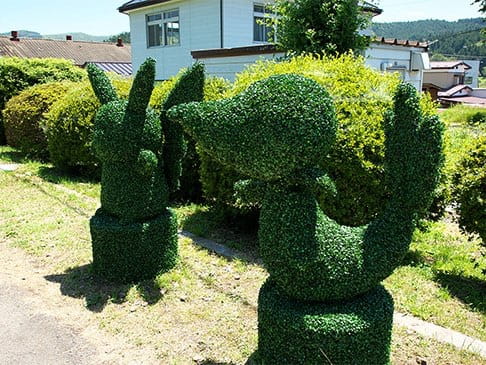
[(199, 28)]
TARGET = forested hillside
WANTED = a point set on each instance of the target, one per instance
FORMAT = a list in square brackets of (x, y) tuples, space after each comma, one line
[(458, 39)]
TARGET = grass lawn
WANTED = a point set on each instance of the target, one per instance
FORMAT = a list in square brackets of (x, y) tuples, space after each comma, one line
[(205, 309)]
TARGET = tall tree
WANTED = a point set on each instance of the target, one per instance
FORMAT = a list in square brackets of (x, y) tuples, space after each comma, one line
[(316, 26)]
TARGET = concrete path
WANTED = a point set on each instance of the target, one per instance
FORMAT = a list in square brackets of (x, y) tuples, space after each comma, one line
[(31, 338)]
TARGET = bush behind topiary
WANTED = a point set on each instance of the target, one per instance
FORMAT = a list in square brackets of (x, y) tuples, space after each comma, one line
[(17, 74), (69, 126), (361, 96), (24, 116), (470, 189)]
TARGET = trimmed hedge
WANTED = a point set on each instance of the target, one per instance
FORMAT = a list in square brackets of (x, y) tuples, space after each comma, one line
[(470, 189), (279, 131), (296, 332), (24, 117), (17, 74), (134, 234), (356, 164), (240, 132)]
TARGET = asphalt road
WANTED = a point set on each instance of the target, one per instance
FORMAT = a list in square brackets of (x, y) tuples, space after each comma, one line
[(33, 338)]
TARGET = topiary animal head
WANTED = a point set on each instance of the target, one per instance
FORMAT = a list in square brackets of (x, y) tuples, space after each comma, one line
[(123, 128), (276, 128)]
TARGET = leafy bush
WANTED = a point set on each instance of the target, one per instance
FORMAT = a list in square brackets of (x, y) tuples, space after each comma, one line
[(278, 131), (24, 115), (134, 234), (470, 189), (361, 96), (464, 115), (16, 74), (69, 126)]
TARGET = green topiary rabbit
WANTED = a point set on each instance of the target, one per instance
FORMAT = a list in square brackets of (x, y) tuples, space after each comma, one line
[(323, 302), (134, 233)]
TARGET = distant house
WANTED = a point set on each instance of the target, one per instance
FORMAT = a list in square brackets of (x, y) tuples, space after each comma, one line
[(447, 74), (227, 35), (454, 82), (115, 57)]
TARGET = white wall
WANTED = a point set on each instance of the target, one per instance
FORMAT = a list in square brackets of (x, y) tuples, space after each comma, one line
[(228, 67), (473, 72), (199, 29), (480, 93), (394, 58)]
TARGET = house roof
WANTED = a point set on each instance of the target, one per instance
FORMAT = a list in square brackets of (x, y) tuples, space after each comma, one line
[(121, 68), (472, 100), (454, 90), (446, 65), (136, 4), (402, 42), (77, 51)]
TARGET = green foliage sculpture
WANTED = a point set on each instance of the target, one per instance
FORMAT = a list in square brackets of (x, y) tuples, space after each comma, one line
[(134, 233), (323, 302)]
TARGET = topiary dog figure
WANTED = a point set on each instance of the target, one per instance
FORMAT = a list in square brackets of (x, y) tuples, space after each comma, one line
[(134, 233), (323, 302)]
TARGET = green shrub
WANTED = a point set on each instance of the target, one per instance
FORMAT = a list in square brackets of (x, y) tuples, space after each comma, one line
[(17, 74), (463, 115), (24, 116), (361, 96), (470, 189), (134, 233), (69, 126), (323, 293)]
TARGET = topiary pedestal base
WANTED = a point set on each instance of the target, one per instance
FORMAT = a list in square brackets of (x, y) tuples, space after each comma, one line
[(133, 251), (357, 331)]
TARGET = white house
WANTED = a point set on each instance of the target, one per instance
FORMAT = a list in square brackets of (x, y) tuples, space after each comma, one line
[(227, 35)]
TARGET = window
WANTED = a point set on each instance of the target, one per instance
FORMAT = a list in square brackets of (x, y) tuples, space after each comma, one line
[(163, 29), (261, 31)]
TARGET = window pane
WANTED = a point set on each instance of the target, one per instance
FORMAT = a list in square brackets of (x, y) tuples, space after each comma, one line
[(172, 34), (154, 35), (154, 17), (259, 31), (171, 14), (257, 8)]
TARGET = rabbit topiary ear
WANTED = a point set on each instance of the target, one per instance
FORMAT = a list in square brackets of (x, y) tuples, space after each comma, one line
[(142, 88), (101, 84)]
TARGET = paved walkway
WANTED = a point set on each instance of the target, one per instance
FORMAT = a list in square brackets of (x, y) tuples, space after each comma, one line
[(31, 338)]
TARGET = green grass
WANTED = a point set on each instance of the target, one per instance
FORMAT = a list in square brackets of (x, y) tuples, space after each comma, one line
[(207, 305), (463, 115)]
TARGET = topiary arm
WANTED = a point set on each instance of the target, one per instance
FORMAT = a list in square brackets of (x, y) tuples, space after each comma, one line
[(141, 89), (101, 84), (189, 87)]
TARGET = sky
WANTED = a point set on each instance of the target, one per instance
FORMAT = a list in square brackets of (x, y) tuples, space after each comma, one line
[(100, 17)]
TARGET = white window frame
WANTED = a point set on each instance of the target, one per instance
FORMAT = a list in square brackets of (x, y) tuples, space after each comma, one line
[(261, 15), (165, 17)]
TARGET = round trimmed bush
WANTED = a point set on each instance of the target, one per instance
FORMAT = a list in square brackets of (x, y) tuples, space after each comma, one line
[(16, 74), (470, 189), (24, 116), (69, 126)]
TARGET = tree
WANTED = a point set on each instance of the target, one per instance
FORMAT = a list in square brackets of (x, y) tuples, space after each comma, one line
[(482, 4), (316, 26), (125, 37)]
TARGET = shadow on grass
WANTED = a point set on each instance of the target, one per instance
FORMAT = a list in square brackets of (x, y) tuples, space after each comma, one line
[(57, 176), (238, 231), (252, 360), (13, 156), (470, 291), (80, 283)]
